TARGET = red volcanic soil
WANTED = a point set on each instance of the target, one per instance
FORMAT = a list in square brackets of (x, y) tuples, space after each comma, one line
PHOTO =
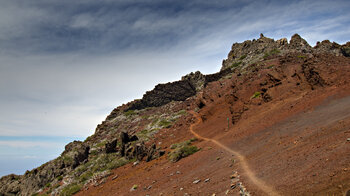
[(289, 139)]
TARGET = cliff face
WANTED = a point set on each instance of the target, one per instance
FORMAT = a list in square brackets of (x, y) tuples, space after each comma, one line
[(252, 51), (180, 90), (165, 93)]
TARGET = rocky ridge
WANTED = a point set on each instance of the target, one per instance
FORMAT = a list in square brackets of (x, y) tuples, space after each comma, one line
[(253, 51), (127, 133)]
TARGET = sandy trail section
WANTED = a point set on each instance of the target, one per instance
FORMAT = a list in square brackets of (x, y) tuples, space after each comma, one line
[(243, 163)]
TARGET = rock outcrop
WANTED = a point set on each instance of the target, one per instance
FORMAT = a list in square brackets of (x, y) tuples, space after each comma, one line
[(132, 148), (180, 90), (110, 147), (252, 51), (165, 93)]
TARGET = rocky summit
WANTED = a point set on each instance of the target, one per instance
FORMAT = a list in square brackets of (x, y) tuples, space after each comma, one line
[(273, 121)]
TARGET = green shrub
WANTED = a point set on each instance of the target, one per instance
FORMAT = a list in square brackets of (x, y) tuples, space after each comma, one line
[(242, 57), (301, 56), (181, 150), (135, 186), (71, 189), (256, 94), (117, 163), (59, 178)]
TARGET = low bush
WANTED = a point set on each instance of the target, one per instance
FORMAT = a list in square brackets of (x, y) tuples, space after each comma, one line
[(256, 95), (181, 150)]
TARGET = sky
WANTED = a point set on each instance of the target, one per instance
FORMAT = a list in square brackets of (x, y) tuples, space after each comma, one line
[(64, 65)]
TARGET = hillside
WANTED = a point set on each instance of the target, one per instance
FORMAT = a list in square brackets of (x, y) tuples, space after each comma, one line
[(274, 121)]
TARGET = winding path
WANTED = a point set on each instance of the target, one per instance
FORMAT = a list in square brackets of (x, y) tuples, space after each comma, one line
[(248, 172)]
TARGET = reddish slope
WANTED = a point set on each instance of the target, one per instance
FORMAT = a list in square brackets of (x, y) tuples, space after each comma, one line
[(291, 139), (243, 163)]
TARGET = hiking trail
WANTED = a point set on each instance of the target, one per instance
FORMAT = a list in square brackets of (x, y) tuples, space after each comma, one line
[(248, 172)]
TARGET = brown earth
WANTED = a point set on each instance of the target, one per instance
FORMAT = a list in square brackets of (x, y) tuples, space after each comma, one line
[(288, 139)]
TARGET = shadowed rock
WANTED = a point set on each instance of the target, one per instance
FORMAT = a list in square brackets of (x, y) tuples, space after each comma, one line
[(111, 146)]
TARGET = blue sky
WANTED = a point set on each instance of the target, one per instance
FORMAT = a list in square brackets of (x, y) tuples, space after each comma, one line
[(64, 65)]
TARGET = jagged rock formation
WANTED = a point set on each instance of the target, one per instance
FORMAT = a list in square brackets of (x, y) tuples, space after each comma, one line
[(165, 93), (252, 51), (187, 87)]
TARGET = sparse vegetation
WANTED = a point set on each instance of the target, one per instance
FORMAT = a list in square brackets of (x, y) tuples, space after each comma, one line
[(85, 176), (301, 56), (117, 163), (164, 123), (102, 163), (101, 144), (70, 189), (236, 64), (146, 134), (130, 113), (67, 159), (275, 51), (181, 112), (181, 150), (51, 189), (271, 52)]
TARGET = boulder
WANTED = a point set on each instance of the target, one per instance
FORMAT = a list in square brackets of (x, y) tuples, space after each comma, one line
[(124, 138), (134, 138), (110, 147), (345, 49)]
